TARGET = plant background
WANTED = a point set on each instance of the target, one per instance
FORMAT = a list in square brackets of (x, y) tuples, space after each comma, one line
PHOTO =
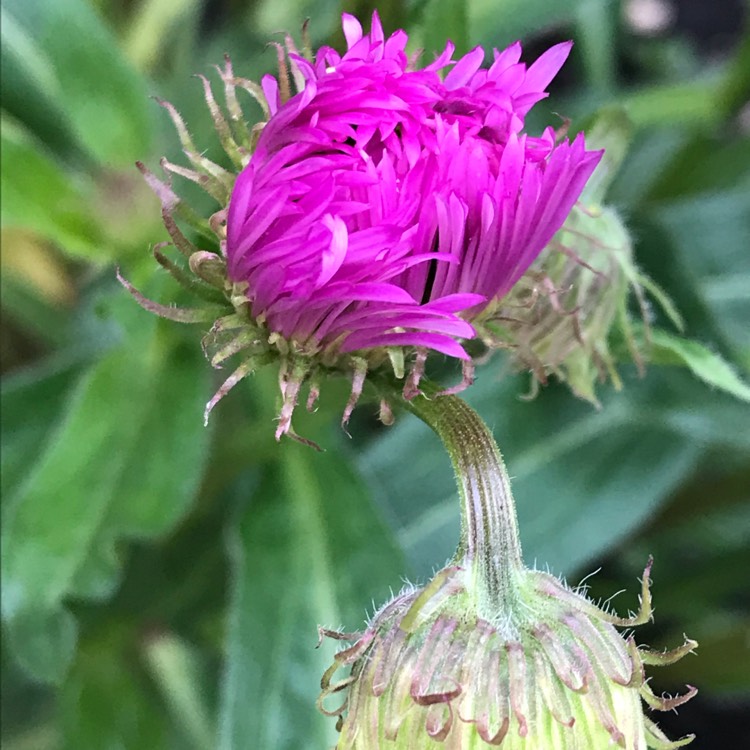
[(162, 581)]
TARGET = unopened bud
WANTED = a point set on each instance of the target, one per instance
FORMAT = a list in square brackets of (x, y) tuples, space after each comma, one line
[(209, 267), (551, 672), (561, 314)]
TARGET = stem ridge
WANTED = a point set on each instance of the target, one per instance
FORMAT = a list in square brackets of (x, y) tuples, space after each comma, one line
[(490, 542)]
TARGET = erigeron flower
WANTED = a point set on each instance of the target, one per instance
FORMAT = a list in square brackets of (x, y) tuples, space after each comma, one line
[(379, 210)]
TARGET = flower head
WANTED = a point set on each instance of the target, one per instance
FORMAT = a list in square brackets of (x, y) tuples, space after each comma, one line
[(386, 205), (380, 209), (435, 669)]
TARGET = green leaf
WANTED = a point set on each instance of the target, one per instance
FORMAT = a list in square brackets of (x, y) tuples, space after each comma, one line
[(65, 63), (125, 460), (711, 368), (443, 20), (151, 23), (43, 642), (39, 320), (734, 88), (39, 737), (31, 403), (29, 86), (176, 668), (39, 195), (496, 23), (596, 37), (703, 165), (709, 232), (693, 103), (103, 704), (307, 549)]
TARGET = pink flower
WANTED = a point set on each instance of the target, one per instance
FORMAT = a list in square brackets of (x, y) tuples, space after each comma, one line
[(387, 205), (382, 212)]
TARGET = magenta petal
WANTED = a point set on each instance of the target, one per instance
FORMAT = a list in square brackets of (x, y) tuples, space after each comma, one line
[(334, 255), (455, 328), (352, 29), (464, 69), (452, 303), (546, 67), (416, 318), (505, 59), (270, 88), (364, 292), (442, 344), (376, 29), (445, 57), (238, 207), (303, 65)]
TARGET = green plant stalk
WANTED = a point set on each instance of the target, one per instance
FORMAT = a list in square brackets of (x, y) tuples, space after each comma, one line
[(489, 541)]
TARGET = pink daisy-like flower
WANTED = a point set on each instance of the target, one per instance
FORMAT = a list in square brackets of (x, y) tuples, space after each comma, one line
[(380, 213), (386, 205)]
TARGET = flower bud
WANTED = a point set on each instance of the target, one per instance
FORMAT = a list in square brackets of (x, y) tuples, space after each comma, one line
[(564, 315), (437, 668), (561, 314), (210, 268)]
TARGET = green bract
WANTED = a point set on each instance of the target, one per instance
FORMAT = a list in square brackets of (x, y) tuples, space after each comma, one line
[(561, 314), (436, 670)]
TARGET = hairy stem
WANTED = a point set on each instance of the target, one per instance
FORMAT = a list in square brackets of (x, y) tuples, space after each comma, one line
[(489, 530)]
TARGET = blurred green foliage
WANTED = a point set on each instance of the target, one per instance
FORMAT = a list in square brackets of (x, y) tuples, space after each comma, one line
[(162, 581)]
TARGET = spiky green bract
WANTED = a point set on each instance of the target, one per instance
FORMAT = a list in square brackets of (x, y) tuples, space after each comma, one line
[(435, 671)]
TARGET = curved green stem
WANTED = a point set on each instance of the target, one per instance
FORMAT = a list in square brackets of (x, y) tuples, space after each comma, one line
[(489, 529)]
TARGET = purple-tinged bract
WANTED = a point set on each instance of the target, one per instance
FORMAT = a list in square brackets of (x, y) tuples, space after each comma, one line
[(386, 205), (438, 669)]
